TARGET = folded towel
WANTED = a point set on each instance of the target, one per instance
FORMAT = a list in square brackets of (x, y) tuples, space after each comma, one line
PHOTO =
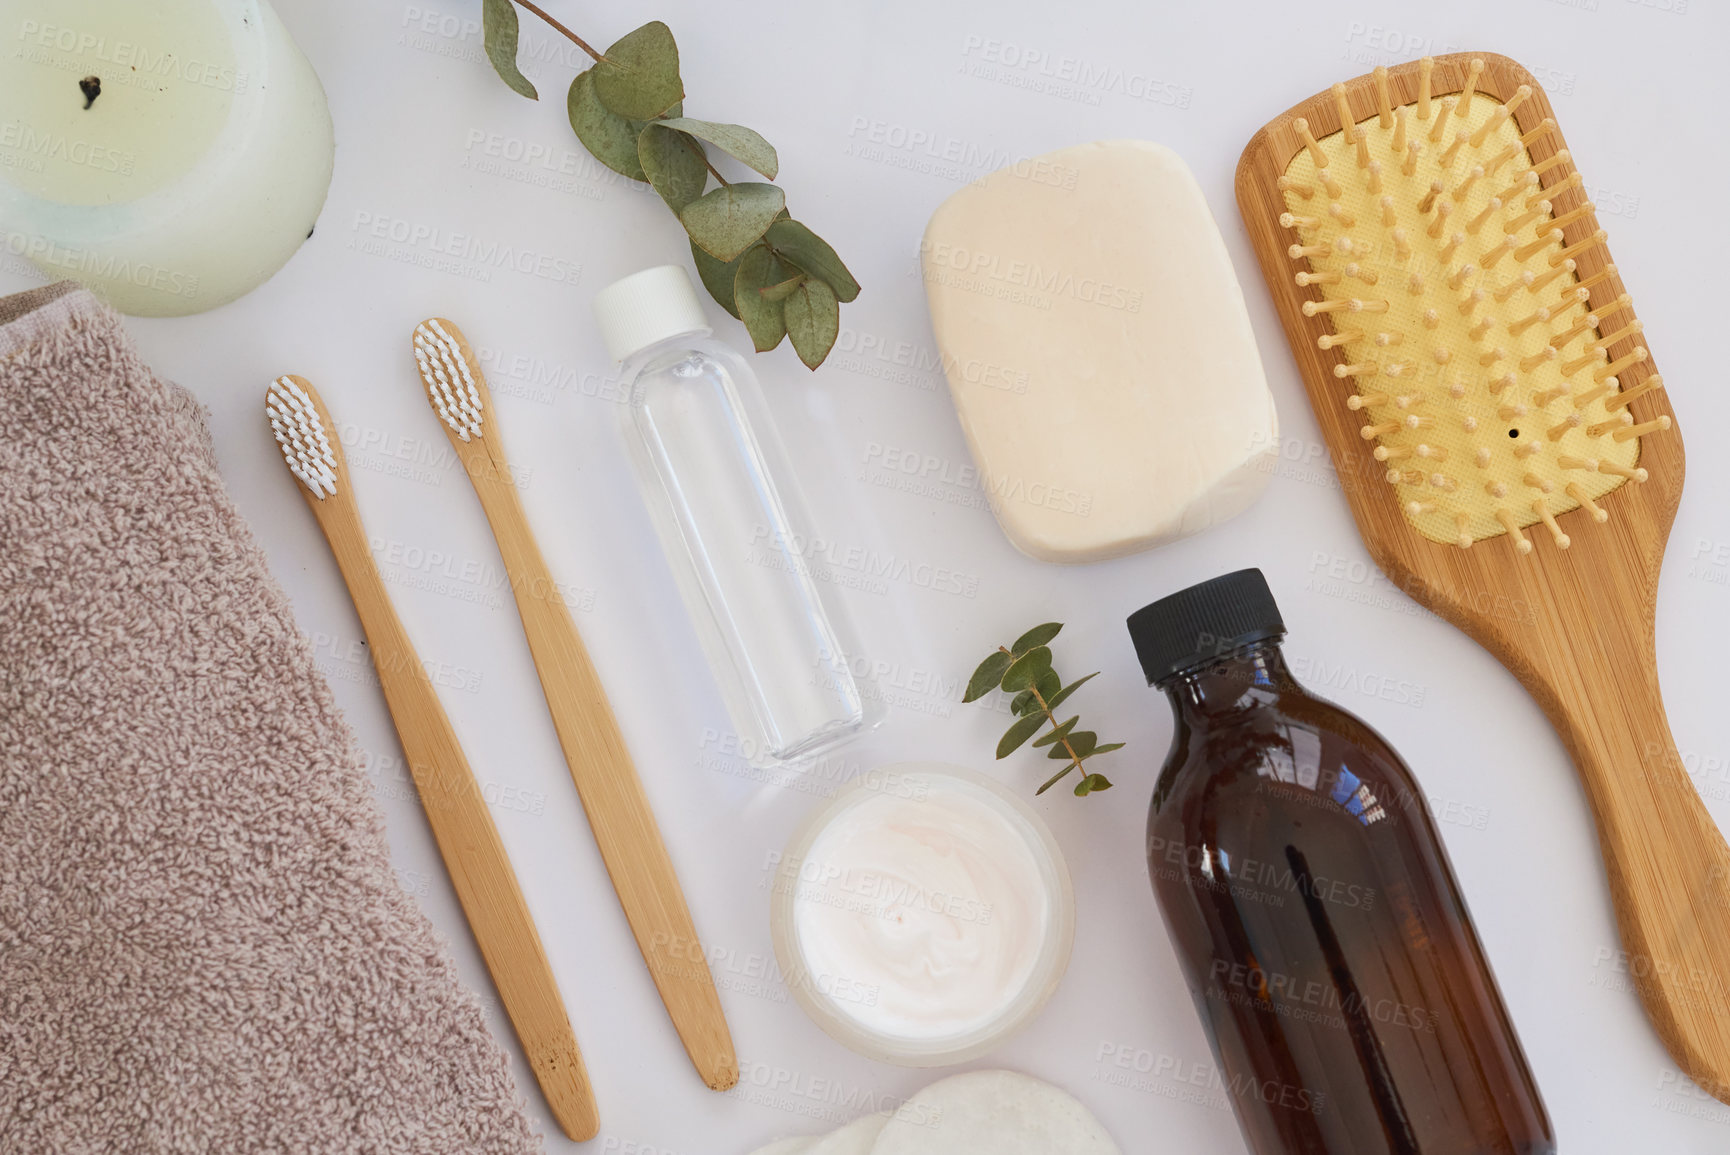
[(202, 944)]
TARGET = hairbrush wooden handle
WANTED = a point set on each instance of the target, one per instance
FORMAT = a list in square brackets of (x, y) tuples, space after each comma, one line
[(1668, 864), (469, 843)]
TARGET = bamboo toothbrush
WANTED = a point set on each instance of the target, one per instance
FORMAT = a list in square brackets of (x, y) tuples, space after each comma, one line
[(1478, 371), (467, 839), (595, 751)]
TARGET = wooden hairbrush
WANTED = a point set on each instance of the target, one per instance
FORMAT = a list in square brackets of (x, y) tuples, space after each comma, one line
[(1507, 450)]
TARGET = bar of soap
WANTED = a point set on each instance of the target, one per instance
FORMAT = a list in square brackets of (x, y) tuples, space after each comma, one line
[(1098, 351)]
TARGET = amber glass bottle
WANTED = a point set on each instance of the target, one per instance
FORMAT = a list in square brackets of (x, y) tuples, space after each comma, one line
[(1320, 928)]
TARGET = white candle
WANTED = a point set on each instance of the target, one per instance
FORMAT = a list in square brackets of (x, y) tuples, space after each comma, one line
[(195, 170)]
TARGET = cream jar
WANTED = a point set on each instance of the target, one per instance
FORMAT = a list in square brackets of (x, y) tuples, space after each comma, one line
[(923, 916)]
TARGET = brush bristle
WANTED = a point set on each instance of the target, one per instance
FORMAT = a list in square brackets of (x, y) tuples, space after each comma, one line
[(1462, 330), (305, 448), (450, 385)]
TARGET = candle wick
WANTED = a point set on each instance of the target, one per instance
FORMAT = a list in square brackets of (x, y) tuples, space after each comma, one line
[(91, 87)]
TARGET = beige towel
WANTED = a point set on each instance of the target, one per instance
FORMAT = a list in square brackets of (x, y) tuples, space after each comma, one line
[(202, 944)]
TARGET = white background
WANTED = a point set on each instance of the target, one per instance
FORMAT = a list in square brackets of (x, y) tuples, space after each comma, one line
[(851, 96)]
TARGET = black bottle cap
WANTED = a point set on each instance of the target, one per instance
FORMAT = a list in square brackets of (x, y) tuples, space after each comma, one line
[(1203, 622)]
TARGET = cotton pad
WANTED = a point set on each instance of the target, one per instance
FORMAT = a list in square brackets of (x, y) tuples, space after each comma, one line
[(796, 1145), (993, 1113), (1098, 351), (856, 1138)]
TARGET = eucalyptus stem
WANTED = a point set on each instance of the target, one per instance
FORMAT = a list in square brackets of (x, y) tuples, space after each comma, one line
[(1074, 760), (560, 28), (713, 171), (1023, 668)]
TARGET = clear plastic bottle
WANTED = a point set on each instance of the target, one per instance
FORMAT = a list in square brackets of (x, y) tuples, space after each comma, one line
[(1319, 926), (726, 505)]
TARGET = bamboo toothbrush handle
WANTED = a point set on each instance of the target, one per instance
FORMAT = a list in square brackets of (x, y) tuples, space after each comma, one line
[(1668, 864), (467, 839), (612, 793)]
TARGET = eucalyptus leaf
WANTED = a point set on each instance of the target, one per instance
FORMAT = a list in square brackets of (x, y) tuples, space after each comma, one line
[(813, 321), (764, 319), (1055, 779), (1057, 733), (737, 141), (499, 35), (1048, 687), (673, 162), (717, 277), (784, 290), (728, 220), (1025, 670), (810, 252), (1105, 749), (1091, 782), (610, 137), (1058, 698), (1020, 732), (1037, 636), (638, 77), (1080, 741), (628, 111), (986, 676)]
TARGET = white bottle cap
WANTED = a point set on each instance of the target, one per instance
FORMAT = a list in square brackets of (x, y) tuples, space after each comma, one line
[(648, 307)]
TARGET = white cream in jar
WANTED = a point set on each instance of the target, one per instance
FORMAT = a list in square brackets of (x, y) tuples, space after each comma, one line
[(924, 915)]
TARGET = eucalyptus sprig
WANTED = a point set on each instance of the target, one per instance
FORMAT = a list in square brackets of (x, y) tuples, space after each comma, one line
[(773, 273), (1024, 669)]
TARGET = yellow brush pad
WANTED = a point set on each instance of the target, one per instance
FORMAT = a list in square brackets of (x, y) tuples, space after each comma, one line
[(1470, 451)]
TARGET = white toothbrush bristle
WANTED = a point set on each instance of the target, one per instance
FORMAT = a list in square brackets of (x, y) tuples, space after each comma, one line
[(306, 450), (450, 385)]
